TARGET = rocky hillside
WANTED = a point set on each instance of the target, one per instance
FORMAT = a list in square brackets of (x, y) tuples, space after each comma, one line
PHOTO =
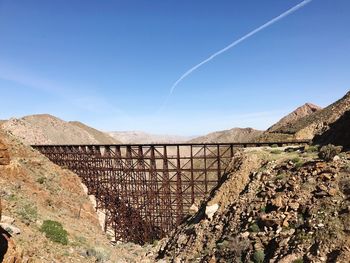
[(273, 206), (318, 122), (46, 215), (130, 137), (307, 127), (294, 116), (337, 134), (232, 135), (47, 129)]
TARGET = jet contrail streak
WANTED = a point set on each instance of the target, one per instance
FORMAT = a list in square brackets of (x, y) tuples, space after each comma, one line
[(235, 43)]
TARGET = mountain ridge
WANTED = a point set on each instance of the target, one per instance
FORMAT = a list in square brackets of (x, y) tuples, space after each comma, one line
[(130, 137), (231, 135), (300, 112), (305, 128), (48, 129)]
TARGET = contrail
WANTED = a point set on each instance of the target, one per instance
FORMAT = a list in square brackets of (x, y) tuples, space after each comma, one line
[(235, 43)]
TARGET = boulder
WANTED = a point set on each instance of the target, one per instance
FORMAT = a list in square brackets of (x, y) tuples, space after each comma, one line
[(9, 252), (10, 228), (211, 210), (328, 152)]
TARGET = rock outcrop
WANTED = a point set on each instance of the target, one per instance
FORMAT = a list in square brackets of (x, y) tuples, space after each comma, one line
[(4, 154), (337, 134)]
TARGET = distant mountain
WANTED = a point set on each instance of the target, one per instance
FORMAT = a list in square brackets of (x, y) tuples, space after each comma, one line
[(130, 137), (297, 114), (310, 125), (232, 135), (101, 137), (47, 129)]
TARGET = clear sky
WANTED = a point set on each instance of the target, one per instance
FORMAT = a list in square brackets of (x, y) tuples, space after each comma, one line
[(111, 64)]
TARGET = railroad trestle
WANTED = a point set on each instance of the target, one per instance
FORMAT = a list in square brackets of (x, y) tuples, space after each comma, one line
[(147, 190)]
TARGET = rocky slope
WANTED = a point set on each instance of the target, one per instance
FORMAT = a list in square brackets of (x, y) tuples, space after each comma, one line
[(273, 206), (33, 190), (232, 135), (307, 127), (47, 129), (319, 121), (130, 137), (337, 134), (294, 116)]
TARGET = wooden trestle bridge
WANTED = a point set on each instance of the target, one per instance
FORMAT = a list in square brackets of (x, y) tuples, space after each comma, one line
[(147, 190)]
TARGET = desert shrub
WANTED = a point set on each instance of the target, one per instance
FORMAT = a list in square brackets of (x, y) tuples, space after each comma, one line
[(312, 148), (259, 256), (346, 168), (276, 151), (28, 213), (254, 228), (11, 197), (280, 177), (41, 180), (299, 260), (274, 146), (55, 232), (299, 164), (296, 160), (328, 152), (234, 246), (99, 254)]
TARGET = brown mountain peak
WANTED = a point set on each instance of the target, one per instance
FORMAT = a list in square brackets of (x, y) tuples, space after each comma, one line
[(300, 112)]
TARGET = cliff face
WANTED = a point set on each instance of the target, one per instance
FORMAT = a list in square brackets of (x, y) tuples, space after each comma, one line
[(337, 134)]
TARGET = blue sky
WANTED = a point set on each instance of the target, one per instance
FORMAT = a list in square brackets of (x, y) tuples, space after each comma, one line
[(111, 64)]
